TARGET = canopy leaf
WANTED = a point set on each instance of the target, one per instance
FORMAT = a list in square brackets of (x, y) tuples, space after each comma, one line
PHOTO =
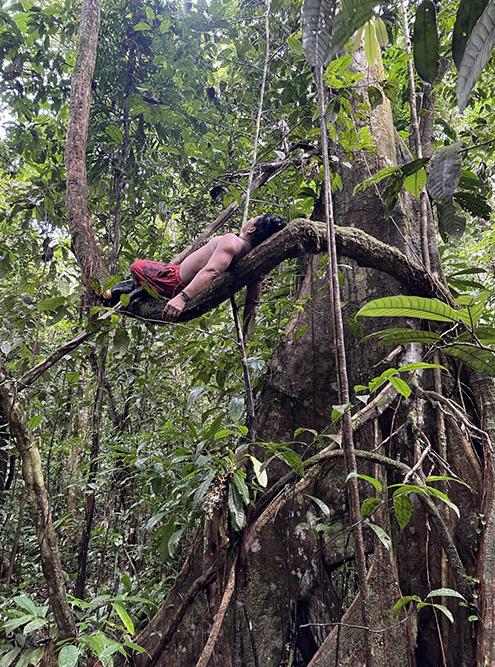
[(409, 306), (444, 171), (425, 42), (476, 54), (354, 14), (318, 19), (467, 15)]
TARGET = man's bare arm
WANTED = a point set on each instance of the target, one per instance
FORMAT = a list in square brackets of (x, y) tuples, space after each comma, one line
[(219, 261), (253, 294)]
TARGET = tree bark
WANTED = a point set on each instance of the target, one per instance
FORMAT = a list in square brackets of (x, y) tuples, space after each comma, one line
[(83, 237), (38, 496)]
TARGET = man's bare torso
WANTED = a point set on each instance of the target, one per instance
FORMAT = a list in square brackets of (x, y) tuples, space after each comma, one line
[(200, 258)]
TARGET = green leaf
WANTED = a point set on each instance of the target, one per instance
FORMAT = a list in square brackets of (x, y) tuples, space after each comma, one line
[(135, 647), (444, 171), (194, 394), (317, 27), (295, 45), (52, 303), (68, 656), (114, 132), (480, 359), (370, 43), (381, 31), (376, 178), (401, 489), (125, 300), (34, 422), (382, 535), (375, 96), (485, 334), (378, 485), (402, 603), (261, 475), (300, 333), (292, 459), (124, 617), (369, 506), (419, 365), (392, 191), (109, 282), (9, 657), (241, 486), (142, 26), (415, 183), (445, 478), (323, 506), (443, 609), (236, 408), (425, 42), (476, 54), (474, 203), (236, 507), (163, 548), (395, 336), (467, 16), (414, 166), (23, 601), (401, 386), (409, 306), (35, 624), (403, 509), (448, 218), (445, 592), (354, 14), (444, 498), (472, 314)]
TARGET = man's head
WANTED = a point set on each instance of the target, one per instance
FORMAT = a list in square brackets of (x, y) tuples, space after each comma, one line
[(261, 227)]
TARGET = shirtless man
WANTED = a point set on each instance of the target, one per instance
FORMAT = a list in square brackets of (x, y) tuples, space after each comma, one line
[(197, 272)]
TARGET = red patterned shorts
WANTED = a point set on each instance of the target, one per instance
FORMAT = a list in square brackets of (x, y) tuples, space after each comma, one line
[(164, 278)]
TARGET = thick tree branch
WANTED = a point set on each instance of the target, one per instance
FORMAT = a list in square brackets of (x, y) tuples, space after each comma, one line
[(299, 237)]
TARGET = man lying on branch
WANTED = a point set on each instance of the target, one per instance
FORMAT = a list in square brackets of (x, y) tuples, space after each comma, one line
[(182, 282)]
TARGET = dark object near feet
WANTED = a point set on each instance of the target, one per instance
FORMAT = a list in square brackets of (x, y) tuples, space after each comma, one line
[(113, 295)]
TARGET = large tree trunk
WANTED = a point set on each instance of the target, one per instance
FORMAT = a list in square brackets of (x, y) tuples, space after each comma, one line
[(292, 587)]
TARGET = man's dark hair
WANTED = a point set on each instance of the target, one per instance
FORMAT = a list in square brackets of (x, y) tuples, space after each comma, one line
[(267, 225)]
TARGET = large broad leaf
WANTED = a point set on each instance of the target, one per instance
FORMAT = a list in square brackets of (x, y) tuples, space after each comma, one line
[(475, 203), (416, 182), (318, 18), (452, 223), (403, 510), (444, 171), (467, 15), (476, 54), (409, 306), (425, 42), (354, 14), (398, 336), (473, 356)]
